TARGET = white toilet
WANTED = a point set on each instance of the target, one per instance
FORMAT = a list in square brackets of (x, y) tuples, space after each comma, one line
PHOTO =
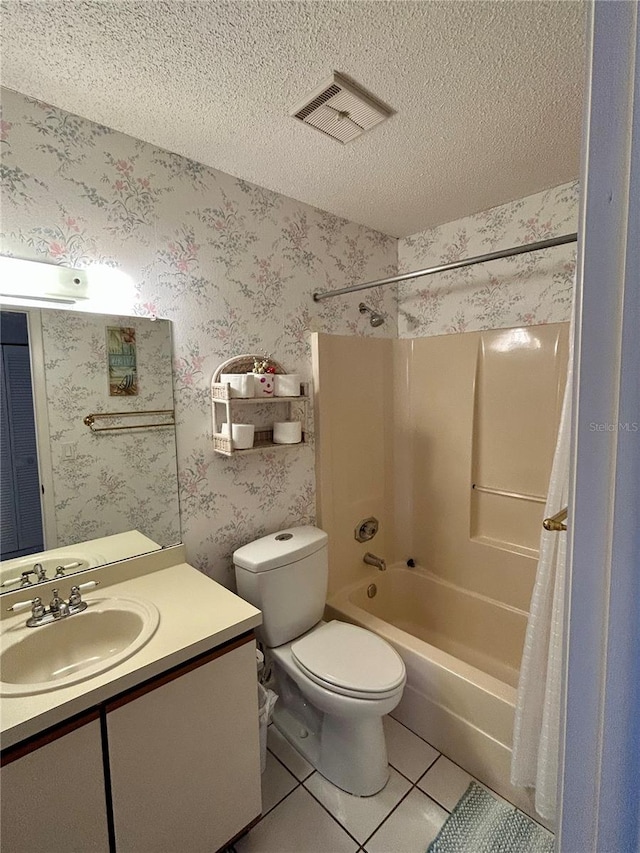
[(335, 681)]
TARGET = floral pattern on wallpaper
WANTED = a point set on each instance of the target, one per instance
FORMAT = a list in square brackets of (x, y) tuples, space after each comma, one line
[(117, 481), (232, 265), (523, 290)]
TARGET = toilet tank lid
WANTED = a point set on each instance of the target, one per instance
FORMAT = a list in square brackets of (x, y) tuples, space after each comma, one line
[(280, 549)]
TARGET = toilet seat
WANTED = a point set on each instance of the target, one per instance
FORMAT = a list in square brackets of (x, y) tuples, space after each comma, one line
[(349, 660)]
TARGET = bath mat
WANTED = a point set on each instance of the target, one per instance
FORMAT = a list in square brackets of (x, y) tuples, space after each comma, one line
[(482, 824)]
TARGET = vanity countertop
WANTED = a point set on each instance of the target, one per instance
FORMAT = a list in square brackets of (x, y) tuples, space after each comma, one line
[(196, 615)]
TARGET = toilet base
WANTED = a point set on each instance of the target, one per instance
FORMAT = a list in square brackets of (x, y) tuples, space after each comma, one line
[(351, 754)]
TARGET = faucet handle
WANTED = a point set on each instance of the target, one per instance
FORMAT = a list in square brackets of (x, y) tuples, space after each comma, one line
[(23, 580), (37, 608), (88, 584), (22, 605), (75, 598)]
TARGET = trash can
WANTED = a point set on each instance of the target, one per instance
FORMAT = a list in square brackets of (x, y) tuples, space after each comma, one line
[(266, 700)]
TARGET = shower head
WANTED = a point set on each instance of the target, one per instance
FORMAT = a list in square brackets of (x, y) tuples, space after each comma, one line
[(375, 319)]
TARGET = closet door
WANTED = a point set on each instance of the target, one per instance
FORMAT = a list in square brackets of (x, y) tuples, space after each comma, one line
[(21, 510), (9, 516)]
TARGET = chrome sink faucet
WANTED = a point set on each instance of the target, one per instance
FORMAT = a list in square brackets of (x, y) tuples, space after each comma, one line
[(58, 607), (371, 560), (41, 574), (37, 570)]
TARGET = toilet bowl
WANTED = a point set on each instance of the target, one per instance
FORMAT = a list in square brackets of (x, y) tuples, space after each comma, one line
[(345, 741), (335, 680)]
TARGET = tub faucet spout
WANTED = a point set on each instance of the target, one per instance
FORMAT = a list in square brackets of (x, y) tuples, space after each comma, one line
[(372, 560)]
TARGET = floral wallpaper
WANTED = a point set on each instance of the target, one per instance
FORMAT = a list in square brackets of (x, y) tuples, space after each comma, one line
[(115, 481), (523, 290), (231, 264)]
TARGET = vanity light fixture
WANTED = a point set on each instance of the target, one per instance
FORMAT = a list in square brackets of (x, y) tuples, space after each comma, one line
[(36, 281)]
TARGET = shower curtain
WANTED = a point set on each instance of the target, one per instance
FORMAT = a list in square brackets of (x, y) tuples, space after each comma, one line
[(536, 736)]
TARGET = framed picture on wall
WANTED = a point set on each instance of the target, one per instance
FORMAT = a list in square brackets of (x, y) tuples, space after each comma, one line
[(121, 356)]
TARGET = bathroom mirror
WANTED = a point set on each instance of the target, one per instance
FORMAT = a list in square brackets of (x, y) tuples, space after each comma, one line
[(77, 494)]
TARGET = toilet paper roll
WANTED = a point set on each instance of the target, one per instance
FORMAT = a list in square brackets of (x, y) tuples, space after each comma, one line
[(242, 435), (287, 432), (287, 384), (241, 383)]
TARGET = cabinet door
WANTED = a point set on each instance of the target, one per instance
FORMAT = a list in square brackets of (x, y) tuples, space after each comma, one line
[(184, 758), (53, 798)]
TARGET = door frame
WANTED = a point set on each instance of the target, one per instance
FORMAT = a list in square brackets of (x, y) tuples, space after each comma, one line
[(600, 743), (41, 414)]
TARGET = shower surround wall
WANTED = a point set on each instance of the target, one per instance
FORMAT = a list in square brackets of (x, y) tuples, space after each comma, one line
[(526, 290), (407, 428), (233, 265)]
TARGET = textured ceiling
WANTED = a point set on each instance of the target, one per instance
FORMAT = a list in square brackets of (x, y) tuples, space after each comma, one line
[(488, 95)]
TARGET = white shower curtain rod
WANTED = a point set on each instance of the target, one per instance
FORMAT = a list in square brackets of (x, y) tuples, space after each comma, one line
[(454, 265)]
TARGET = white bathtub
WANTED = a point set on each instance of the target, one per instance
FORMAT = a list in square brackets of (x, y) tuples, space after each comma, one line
[(462, 653)]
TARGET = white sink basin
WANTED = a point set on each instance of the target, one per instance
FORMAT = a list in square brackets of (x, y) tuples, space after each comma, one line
[(76, 648), (10, 570)]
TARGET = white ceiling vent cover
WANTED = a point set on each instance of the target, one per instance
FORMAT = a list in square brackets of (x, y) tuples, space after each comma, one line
[(341, 109)]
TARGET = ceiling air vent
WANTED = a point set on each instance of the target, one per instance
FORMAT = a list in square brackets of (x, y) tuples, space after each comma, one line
[(341, 109)]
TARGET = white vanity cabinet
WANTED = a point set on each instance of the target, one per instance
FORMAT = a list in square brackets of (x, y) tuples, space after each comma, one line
[(184, 757), (170, 765), (53, 794)]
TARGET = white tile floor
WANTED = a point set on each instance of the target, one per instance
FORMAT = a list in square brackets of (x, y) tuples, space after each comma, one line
[(303, 813)]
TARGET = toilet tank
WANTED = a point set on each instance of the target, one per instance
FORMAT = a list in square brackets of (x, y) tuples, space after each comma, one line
[(285, 575)]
